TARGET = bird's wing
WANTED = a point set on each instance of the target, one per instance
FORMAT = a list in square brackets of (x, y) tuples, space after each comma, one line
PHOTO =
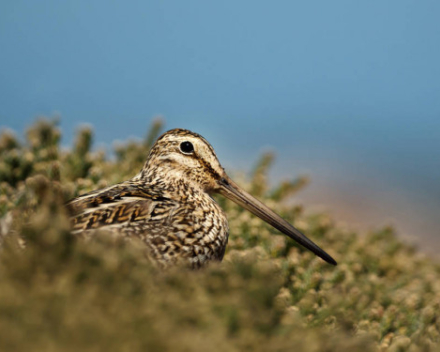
[(126, 208)]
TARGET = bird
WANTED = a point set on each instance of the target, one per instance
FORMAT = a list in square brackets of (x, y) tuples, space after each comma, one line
[(169, 205)]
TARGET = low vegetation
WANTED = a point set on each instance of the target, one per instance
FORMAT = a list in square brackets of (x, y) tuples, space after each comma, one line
[(61, 293)]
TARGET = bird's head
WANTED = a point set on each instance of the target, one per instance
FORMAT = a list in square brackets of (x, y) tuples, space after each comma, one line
[(184, 155)]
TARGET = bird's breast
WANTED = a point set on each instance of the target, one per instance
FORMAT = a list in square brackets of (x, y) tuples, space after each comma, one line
[(203, 231)]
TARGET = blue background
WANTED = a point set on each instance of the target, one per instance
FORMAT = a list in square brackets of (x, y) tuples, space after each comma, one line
[(345, 91)]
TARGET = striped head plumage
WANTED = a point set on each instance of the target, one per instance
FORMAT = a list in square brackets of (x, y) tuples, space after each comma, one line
[(168, 204), (183, 156)]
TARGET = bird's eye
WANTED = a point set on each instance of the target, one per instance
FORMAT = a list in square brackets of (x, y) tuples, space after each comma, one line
[(186, 147)]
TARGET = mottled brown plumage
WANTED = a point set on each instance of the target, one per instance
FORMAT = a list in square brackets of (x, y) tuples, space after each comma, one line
[(168, 204)]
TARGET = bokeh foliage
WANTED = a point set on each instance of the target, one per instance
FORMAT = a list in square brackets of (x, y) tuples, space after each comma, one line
[(61, 293)]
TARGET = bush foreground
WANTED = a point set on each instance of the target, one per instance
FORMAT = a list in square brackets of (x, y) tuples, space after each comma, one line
[(60, 293)]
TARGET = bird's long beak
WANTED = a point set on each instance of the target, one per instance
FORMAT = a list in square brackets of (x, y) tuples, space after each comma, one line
[(231, 191)]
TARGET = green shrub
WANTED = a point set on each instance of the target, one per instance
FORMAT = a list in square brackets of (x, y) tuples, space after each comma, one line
[(62, 293)]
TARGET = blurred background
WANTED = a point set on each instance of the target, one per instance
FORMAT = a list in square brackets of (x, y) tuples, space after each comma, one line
[(345, 92)]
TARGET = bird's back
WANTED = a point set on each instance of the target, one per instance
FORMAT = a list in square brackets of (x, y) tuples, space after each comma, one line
[(185, 226)]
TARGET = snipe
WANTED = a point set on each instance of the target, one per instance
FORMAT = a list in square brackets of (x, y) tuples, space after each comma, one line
[(168, 204)]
